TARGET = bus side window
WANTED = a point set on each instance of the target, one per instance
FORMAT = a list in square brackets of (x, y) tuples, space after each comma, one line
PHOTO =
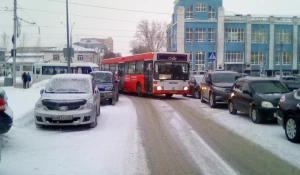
[(38, 70), (139, 67), (126, 68)]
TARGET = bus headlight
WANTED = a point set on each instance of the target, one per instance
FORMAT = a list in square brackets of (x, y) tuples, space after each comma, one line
[(185, 88), (159, 88)]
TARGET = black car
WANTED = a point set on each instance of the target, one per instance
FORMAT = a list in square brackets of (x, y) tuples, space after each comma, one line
[(288, 115), (108, 86), (257, 97), (6, 114), (215, 87), (194, 86)]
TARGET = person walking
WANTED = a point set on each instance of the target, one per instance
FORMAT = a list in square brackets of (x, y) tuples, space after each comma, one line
[(28, 79), (24, 78)]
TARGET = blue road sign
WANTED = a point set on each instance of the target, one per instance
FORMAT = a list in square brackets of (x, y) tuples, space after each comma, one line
[(212, 56)]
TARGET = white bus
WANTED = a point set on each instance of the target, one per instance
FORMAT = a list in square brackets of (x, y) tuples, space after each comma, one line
[(44, 71)]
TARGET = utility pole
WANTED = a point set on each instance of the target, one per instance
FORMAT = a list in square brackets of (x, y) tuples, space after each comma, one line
[(68, 41), (14, 43), (281, 58)]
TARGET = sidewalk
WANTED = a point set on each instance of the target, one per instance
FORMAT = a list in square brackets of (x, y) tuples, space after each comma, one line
[(19, 82)]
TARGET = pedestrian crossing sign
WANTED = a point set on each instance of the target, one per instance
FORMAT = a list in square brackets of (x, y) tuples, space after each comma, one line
[(212, 56)]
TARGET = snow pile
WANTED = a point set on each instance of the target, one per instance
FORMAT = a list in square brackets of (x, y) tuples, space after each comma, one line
[(22, 101)]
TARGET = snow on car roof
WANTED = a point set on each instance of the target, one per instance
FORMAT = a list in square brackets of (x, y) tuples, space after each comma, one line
[(70, 76), (101, 72)]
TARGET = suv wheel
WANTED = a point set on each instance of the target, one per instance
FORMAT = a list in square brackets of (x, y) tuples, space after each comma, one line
[(292, 129), (112, 101), (196, 94), (231, 108), (212, 102), (256, 118), (201, 97)]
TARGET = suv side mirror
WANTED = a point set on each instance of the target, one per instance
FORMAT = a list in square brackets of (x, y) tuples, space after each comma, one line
[(42, 91), (116, 81)]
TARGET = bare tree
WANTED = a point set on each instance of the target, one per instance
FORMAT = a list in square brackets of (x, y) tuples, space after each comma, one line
[(152, 35), (137, 47), (23, 40), (108, 55), (5, 39)]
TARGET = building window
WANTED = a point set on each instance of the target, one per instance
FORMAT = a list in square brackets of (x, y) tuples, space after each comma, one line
[(286, 58), (234, 35), (234, 57), (259, 36), (80, 57), (211, 13), (200, 61), (211, 35), (200, 7), (175, 36), (190, 58), (283, 36), (200, 34), (189, 12), (55, 57), (189, 34), (258, 58)]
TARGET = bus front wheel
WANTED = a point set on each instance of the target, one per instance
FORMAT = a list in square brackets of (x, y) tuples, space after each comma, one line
[(139, 90)]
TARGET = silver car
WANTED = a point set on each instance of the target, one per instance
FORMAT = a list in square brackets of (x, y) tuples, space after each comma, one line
[(68, 99)]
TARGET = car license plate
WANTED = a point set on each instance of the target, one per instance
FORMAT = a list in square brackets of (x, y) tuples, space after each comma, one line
[(62, 118)]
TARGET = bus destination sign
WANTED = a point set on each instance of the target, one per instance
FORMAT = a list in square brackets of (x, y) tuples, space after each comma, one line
[(171, 57)]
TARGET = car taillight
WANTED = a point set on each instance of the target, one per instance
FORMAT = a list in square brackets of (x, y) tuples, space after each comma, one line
[(2, 104)]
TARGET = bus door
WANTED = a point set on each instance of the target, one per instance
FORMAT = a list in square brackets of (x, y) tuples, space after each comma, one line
[(121, 75), (148, 76)]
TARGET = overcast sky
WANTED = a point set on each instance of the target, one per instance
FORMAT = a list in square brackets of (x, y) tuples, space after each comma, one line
[(103, 22)]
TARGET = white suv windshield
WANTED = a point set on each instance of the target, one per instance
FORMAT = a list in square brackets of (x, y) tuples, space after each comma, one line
[(68, 86)]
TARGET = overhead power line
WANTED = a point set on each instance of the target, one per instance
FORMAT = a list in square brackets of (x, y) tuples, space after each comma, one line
[(94, 17), (111, 8)]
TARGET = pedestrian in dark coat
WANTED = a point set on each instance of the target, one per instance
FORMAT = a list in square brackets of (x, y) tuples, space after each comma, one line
[(25, 79), (28, 79)]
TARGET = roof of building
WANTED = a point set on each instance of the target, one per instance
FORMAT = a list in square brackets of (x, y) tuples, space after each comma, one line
[(75, 47), (26, 60)]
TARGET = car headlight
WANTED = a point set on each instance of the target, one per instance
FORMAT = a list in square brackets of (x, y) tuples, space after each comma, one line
[(159, 88), (219, 89), (266, 104), (185, 88), (89, 104), (109, 88), (39, 105)]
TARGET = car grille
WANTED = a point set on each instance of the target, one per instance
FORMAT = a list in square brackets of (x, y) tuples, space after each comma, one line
[(63, 105), (227, 90), (75, 119)]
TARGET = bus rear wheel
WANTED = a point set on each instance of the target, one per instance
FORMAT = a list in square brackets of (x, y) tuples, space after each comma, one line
[(139, 90), (169, 95)]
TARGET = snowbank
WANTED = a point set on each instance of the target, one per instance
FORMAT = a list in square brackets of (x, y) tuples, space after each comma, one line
[(22, 101)]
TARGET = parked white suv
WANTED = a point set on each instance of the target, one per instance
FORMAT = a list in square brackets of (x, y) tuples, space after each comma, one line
[(68, 99)]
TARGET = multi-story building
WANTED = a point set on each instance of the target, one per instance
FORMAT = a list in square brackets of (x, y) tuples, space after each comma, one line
[(242, 43), (81, 54)]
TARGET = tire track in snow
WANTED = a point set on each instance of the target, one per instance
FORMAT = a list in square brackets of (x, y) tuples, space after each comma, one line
[(208, 161)]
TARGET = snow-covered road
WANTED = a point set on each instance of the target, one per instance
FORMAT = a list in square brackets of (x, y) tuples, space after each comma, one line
[(113, 147)]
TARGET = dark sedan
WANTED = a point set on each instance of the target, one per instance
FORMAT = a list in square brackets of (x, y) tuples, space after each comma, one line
[(288, 115), (216, 86), (6, 114), (194, 86), (256, 96), (108, 86)]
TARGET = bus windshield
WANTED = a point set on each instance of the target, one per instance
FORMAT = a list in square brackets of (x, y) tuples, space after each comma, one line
[(171, 71)]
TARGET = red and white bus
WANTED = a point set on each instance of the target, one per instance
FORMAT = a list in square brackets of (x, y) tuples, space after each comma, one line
[(151, 73)]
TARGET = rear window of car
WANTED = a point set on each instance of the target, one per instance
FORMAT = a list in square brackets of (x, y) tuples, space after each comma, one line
[(103, 77), (224, 78)]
